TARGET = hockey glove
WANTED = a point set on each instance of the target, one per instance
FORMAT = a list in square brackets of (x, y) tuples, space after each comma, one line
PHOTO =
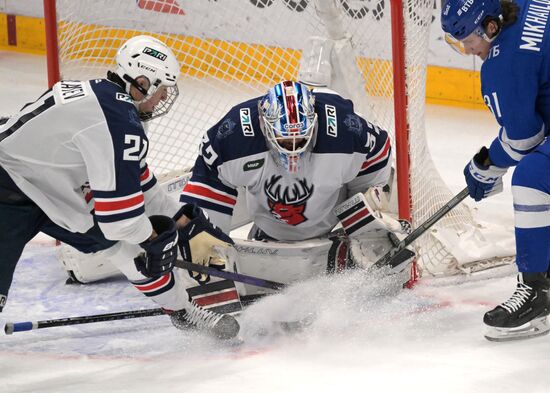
[(201, 242), (482, 178), (371, 232), (360, 214), (161, 252)]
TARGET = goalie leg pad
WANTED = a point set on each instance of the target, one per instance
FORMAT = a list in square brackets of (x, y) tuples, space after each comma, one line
[(339, 258), (220, 296), (284, 262), (86, 268)]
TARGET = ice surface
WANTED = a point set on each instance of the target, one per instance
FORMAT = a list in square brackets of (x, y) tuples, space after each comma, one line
[(364, 338)]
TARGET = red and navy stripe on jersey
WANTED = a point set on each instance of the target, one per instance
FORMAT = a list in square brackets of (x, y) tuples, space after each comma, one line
[(109, 207), (378, 157), (147, 179), (209, 195), (155, 286)]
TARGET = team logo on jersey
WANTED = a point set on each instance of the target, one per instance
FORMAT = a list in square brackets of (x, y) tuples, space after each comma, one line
[(353, 124), (251, 165), (330, 112), (226, 128), (288, 203), (154, 53), (124, 97), (86, 192), (246, 122), (72, 91)]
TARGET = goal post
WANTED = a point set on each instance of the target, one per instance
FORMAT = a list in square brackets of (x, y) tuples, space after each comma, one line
[(234, 50)]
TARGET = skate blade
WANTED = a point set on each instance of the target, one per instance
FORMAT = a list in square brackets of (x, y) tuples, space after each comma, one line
[(535, 328)]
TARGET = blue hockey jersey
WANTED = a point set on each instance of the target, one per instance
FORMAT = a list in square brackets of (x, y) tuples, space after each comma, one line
[(515, 83), (349, 156)]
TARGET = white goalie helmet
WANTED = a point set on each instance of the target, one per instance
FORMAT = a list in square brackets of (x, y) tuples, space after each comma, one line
[(149, 57), (289, 123)]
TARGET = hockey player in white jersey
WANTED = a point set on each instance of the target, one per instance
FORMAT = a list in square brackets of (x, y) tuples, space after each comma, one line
[(305, 160), (73, 165)]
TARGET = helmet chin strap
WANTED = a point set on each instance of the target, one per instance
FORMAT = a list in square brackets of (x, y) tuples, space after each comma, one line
[(498, 21), (133, 82)]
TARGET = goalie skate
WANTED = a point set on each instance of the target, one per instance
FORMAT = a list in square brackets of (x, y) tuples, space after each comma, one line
[(535, 328)]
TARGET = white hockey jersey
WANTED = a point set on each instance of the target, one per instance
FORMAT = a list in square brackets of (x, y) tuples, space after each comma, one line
[(350, 155), (79, 151)]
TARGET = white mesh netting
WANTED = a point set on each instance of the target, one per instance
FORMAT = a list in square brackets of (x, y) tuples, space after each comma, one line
[(233, 50)]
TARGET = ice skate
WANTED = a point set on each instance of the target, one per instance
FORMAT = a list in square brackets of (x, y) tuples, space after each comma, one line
[(524, 315), (222, 326)]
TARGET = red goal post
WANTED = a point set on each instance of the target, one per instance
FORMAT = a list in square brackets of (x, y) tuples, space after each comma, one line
[(232, 50)]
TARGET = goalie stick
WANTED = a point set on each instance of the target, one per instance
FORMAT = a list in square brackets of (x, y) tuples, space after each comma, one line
[(394, 257)]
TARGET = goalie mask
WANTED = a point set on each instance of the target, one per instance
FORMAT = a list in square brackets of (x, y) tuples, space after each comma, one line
[(289, 122), (145, 56)]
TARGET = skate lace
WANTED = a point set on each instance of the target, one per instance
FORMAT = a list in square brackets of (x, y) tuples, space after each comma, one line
[(518, 299), (202, 318)]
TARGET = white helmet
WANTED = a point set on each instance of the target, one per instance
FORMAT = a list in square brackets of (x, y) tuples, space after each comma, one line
[(289, 123), (146, 56)]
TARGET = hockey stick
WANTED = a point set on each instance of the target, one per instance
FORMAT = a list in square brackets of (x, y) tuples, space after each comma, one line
[(258, 282), (392, 257), (12, 327)]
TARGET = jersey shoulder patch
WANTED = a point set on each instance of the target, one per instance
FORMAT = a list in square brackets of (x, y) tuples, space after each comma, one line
[(238, 133), (117, 106), (340, 129)]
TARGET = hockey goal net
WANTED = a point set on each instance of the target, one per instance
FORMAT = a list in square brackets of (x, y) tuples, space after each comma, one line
[(233, 50)]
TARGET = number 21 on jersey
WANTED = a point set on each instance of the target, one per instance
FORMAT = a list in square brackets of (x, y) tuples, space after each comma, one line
[(137, 147)]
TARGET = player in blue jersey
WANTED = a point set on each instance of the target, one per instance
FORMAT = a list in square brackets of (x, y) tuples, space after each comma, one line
[(305, 160), (513, 40), (73, 165)]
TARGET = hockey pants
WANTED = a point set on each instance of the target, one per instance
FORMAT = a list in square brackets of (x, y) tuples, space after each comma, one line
[(20, 220)]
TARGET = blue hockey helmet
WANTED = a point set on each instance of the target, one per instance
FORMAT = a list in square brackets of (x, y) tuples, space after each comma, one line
[(289, 122), (460, 18)]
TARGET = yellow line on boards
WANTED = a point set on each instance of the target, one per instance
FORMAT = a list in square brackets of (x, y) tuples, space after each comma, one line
[(199, 57)]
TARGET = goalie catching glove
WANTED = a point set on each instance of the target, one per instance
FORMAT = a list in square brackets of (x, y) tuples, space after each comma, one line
[(201, 242), (160, 252), (372, 233)]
